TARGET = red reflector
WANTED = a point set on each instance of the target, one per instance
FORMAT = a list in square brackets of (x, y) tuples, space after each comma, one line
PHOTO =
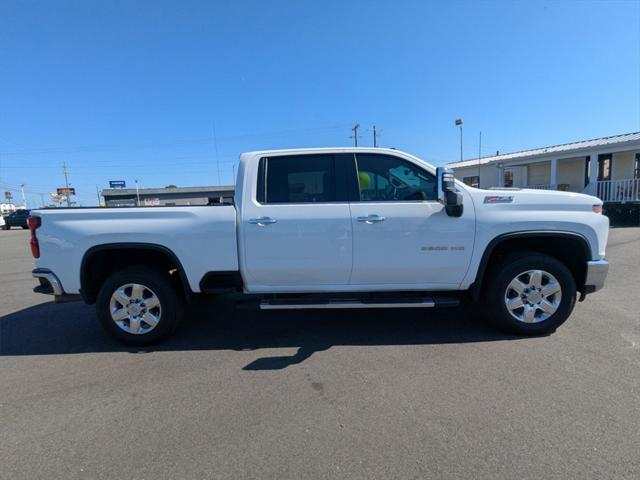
[(33, 223)]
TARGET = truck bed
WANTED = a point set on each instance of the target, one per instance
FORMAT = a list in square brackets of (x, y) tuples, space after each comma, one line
[(202, 238)]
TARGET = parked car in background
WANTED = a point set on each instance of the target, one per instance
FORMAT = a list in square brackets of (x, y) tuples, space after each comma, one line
[(17, 219), (2, 222)]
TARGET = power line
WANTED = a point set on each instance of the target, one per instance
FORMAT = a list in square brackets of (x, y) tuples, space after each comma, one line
[(16, 188), (142, 145), (149, 163)]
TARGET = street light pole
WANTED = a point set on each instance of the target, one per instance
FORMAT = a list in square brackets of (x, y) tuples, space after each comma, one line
[(137, 193), (459, 123), (24, 199), (479, 157)]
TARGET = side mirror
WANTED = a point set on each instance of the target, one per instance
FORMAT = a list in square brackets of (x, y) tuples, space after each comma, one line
[(447, 193)]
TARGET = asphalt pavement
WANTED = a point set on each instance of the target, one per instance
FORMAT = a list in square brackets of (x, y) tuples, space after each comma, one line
[(350, 394)]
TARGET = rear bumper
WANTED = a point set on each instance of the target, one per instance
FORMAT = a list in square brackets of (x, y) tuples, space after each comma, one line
[(49, 283), (596, 275)]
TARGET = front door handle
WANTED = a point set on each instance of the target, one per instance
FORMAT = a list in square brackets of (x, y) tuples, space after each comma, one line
[(262, 221), (370, 219)]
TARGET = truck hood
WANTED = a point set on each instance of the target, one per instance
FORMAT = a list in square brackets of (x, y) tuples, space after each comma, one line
[(551, 199)]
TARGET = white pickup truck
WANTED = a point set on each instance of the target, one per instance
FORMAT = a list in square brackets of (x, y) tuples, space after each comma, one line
[(330, 228)]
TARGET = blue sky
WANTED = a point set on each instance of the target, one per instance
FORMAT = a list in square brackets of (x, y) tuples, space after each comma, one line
[(136, 89)]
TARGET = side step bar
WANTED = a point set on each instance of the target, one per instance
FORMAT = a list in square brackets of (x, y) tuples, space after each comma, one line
[(283, 304)]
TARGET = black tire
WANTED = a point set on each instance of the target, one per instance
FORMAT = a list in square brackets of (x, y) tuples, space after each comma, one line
[(510, 267), (6, 227), (159, 282), (25, 227)]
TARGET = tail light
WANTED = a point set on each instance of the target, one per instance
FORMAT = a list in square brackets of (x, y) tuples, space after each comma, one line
[(597, 208), (34, 223)]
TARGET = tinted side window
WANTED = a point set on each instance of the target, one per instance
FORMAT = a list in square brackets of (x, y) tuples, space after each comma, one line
[(383, 178), (299, 179)]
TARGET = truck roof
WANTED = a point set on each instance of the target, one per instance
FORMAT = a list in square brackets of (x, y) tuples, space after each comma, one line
[(322, 150)]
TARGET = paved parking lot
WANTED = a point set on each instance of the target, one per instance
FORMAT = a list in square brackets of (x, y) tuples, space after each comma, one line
[(366, 394)]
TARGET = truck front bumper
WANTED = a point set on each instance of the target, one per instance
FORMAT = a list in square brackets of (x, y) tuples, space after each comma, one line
[(596, 275)]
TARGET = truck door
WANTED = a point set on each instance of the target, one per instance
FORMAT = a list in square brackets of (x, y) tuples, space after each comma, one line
[(401, 233), (297, 226)]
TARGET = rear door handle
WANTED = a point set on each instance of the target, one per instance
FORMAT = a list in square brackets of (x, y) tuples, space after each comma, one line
[(262, 221), (370, 219)]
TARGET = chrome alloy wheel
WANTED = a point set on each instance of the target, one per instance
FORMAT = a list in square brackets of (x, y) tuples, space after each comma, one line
[(533, 296), (135, 308)]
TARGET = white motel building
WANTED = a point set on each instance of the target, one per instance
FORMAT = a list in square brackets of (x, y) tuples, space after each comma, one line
[(608, 168)]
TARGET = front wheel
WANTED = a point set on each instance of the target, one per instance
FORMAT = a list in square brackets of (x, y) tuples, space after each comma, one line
[(139, 305), (530, 294)]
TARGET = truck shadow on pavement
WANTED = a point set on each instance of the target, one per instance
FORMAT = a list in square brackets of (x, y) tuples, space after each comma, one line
[(72, 328)]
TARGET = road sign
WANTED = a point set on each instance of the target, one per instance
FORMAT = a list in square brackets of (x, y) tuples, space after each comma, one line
[(8, 195), (117, 184), (66, 191)]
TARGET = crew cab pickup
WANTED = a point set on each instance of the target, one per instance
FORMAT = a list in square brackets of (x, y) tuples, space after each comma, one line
[(330, 228)]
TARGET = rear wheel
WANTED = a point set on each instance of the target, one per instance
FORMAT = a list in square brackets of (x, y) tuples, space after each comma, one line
[(530, 294), (139, 305)]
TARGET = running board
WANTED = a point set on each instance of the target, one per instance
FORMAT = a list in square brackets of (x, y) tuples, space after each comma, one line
[(351, 304)]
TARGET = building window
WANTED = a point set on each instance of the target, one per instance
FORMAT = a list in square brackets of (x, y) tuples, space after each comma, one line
[(636, 166), (472, 181), (508, 177), (604, 167)]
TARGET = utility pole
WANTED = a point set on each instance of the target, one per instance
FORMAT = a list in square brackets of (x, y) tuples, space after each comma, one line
[(98, 194), (42, 199), (24, 199), (375, 137), (459, 124), (355, 133), (66, 183)]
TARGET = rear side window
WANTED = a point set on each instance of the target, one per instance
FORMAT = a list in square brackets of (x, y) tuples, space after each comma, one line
[(384, 178), (297, 179)]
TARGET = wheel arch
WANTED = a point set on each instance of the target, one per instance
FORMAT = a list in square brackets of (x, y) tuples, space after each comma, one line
[(575, 258), (100, 261)]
